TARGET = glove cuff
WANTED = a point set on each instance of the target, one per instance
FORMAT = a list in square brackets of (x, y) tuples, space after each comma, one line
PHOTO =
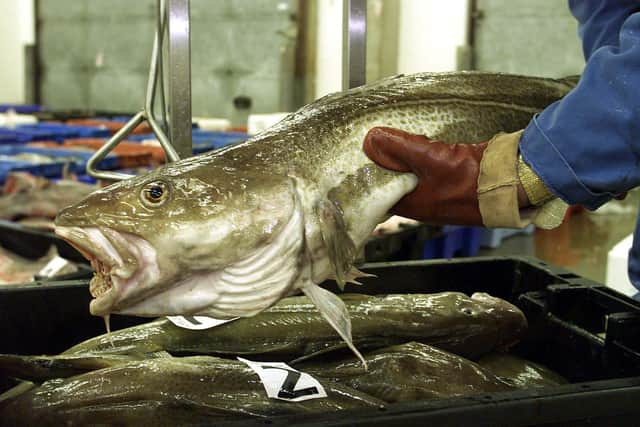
[(498, 182), (537, 192)]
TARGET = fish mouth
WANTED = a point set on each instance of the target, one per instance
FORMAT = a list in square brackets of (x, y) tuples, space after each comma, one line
[(115, 259)]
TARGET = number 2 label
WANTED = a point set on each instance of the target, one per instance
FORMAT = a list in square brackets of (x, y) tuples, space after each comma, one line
[(282, 382)]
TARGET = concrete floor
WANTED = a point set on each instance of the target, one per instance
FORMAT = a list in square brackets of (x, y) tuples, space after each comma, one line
[(582, 242)]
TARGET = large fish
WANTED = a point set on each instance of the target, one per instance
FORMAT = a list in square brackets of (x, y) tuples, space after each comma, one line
[(409, 372), (169, 392), (469, 326), (231, 232), (519, 372)]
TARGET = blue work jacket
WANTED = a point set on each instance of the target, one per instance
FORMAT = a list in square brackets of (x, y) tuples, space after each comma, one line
[(586, 147)]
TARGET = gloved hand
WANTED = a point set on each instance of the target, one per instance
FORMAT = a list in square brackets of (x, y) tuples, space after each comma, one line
[(466, 184), (447, 175)]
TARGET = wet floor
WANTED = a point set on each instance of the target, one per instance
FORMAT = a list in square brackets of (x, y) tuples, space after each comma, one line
[(582, 242)]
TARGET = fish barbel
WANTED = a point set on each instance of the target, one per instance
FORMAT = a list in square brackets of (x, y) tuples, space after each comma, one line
[(231, 232)]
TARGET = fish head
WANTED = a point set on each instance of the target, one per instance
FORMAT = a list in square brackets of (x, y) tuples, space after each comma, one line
[(509, 321), (185, 239)]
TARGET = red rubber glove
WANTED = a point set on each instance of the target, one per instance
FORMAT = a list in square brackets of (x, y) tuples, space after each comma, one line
[(447, 175)]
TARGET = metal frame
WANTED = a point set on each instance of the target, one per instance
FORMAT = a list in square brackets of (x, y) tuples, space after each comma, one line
[(178, 110), (354, 43), (179, 89)]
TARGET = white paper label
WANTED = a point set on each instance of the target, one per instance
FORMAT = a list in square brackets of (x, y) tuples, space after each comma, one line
[(53, 267), (282, 382), (197, 322)]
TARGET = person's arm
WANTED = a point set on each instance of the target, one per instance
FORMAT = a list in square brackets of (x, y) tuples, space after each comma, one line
[(586, 147), (600, 21)]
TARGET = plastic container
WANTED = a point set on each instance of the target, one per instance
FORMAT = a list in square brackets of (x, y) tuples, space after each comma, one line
[(493, 237), (77, 158), (61, 132), (112, 126), (22, 135), (130, 155), (454, 241), (21, 108), (31, 243), (586, 332), (52, 169)]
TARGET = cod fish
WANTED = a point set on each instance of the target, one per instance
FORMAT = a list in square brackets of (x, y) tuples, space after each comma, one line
[(409, 372), (293, 328), (519, 372), (173, 391), (42, 368), (231, 232)]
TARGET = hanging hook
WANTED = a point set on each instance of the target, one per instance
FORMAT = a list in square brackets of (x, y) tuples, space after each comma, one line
[(146, 114)]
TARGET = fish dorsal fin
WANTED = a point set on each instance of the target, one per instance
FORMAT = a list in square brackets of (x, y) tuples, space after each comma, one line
[(340, 248), (335, 312)]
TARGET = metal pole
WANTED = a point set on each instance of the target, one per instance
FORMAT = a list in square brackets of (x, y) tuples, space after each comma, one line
[(179, 77), (354, 43)]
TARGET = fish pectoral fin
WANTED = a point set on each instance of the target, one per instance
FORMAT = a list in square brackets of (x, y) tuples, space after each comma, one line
[(352, 276), (340, 248), (335, 312), (355, 274)]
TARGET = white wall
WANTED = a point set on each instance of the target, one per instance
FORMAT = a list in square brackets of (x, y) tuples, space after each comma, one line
[(328, 75), (16, 30), (430, 32)]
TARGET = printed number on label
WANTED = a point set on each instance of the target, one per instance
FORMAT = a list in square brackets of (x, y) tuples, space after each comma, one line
[(282, 382)]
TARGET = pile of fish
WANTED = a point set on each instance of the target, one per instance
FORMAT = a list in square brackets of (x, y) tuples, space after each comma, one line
[(231, 232), (25, 196), (16, 269), (416, 347)]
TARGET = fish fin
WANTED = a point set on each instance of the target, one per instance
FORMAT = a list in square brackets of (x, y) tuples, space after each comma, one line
[(340, 248), (335, 312), (355, 274)]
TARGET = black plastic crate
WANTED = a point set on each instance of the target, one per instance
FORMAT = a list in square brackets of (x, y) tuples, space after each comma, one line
[(579, 328), (31, 243)]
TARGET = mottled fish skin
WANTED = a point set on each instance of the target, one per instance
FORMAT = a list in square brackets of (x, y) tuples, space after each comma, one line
[(293, 328), (410, 372), (231, 232), (174, 391), (519, 372), (42, 368)]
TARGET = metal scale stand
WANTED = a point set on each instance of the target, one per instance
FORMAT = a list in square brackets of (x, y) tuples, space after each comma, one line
[(176, 116)]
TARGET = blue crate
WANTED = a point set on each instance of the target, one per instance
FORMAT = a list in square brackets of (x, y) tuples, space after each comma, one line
[(8, 138), (492, 238), (48, 170), (61, 132), (77, 158), (21, 108), (27, 135), (455, 241), (202, 140)]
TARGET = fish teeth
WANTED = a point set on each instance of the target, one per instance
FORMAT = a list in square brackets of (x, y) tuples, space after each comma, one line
[(101, 282)]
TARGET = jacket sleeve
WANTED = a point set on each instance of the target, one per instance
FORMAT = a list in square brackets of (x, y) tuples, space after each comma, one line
[(586, 147), (599, 21)]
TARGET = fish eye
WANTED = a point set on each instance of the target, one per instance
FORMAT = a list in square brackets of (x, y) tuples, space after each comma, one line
[(154, 194), (467, 311)]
